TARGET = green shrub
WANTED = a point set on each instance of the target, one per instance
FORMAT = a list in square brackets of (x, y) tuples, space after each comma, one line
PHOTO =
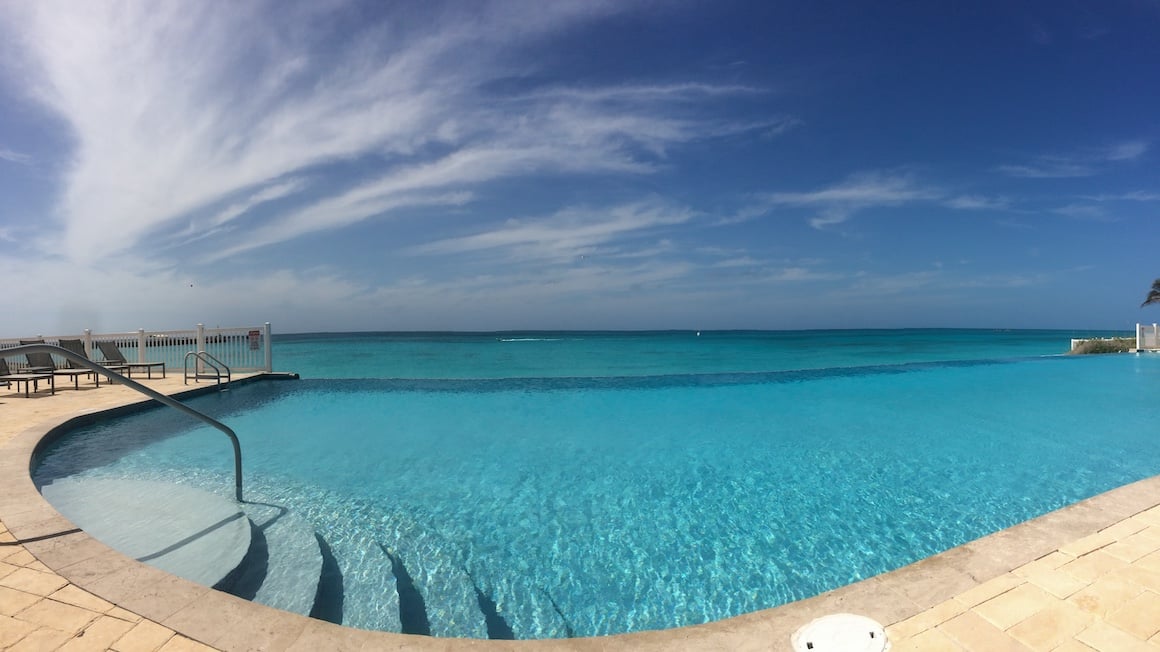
[(1110, 345)]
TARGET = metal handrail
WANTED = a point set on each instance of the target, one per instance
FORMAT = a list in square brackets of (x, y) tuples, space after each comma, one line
[(151, 393), (206, 357)]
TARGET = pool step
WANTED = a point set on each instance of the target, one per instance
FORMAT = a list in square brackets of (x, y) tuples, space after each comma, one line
[(284, 563), (184, 531)]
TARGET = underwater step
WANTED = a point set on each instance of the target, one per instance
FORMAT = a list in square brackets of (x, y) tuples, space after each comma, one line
[(283, 566), (189, 532)]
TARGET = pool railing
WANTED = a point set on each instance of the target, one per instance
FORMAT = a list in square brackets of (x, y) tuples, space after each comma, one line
[(82, 361)]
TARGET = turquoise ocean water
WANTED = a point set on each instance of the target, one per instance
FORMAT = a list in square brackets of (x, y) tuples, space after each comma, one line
[(568, 484)]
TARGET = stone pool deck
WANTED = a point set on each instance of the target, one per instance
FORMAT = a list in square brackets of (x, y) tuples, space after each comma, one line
[(1086, 577)]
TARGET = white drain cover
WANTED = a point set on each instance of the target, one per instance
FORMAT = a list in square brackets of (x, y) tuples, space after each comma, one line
[(841, 633)]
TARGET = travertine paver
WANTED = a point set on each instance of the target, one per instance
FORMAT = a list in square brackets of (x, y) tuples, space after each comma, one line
[(33, 581), (1092, 565), (1139, 616), (1051, 626), (1100, 591), (99, 635), (42, 638), (1105, 595), (988, 590), (145, 636), (1056, 582), (1007, 609), (1072, 646), (78, 598), (1107, 638), (975, 634), (1135, 546), (12, 631), (182, 644), (57, 615)]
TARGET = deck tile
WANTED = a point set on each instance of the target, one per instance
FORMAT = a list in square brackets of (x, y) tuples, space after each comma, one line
[(931, 640), (42, 638), (1051, 627), (145, 636), (1103, 637), (989, 589), (80, 598), (98, 636), (1140, 544), (13, 602), (926, 620), (1011, 607), (12, 630), (975, 634), (1094, 565), (1139, 616), (1105, 596), (1056, 582), (33, 581), (57, 615)]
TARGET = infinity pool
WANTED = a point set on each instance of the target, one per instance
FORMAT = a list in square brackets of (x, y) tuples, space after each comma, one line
[(584, 506)]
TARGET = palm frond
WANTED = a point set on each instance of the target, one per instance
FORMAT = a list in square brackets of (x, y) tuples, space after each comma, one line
[(1153, 294)]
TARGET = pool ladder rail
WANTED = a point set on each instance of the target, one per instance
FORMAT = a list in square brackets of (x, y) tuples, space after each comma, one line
[(151, 393), (202, 360)]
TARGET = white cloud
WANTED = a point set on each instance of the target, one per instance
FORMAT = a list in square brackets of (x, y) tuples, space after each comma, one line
[(1126, 151), (1136, 195), (13, 156), (1083, 212), (1085, 163), (1049, 168), (176, 107), (977, 202), (839, 202), (566, 234)]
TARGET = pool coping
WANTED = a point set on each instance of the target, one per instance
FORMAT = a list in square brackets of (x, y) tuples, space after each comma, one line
[(226, 622)]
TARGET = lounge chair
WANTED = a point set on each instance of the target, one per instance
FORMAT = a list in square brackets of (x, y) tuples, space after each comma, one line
[(113, 355), (78, 347), (6, 376), (43, 363)]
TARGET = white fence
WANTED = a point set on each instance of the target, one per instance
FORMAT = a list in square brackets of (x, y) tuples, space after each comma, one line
[(1147, 337), (242, 349)]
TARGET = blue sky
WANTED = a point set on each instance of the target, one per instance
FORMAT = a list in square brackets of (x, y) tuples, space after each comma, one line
[(333, 165)]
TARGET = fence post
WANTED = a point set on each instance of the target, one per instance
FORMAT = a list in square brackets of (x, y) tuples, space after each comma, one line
[(88, 338), (200, 346), (140, 345), (269, 351)]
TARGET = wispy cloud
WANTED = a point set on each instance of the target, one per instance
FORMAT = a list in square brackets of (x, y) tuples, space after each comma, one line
[(1083, 212), (175, 109), (978, 202), (1126, 151), (839, 202), (1049, 167), (1136, 195), (564, 235), (13, 156), (1084, 163)]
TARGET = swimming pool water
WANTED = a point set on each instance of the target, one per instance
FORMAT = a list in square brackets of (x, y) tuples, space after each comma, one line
[(585, 506)]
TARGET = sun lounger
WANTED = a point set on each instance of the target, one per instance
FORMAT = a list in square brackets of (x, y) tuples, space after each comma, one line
[(41, 362), (113, 355), (6, 376), (78, 347)]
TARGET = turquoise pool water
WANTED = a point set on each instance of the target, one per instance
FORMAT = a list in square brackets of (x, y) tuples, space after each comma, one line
[(598, 504)]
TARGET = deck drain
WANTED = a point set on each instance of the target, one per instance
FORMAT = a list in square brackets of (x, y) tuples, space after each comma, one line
[(841, 633)]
